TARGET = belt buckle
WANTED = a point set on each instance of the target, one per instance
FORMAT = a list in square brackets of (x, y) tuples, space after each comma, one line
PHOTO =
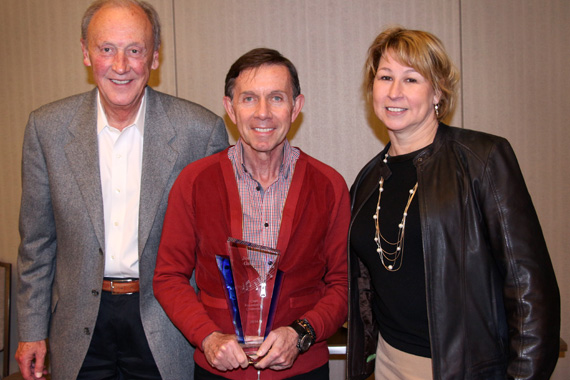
[(119, 282)]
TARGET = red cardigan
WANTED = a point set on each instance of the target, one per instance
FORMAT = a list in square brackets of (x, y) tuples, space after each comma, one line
[(204, 209)]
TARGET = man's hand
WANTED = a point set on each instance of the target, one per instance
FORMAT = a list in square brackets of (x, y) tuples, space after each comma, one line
[(279, 350), (31, 359), (223, 352)]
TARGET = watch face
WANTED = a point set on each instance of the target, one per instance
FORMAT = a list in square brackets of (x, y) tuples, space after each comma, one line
[(305, 343)]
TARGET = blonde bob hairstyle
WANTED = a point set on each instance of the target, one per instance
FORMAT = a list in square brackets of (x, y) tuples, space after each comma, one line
[(422, 51)]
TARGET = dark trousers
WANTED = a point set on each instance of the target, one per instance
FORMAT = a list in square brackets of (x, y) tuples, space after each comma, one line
[(118, 349), (321, 373)]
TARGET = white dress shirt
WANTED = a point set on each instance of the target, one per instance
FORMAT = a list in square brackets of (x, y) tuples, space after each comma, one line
[(120, 163)]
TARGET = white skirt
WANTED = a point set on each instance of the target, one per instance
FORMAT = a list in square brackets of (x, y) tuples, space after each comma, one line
[(393, 364)]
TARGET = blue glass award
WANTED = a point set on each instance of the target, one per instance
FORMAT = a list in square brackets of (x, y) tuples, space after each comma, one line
[(251, 283)]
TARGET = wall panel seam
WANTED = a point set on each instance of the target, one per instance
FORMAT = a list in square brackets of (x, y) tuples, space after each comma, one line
[(175, 55)]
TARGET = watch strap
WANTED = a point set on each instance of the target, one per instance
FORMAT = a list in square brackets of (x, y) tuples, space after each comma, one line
[(305, 323), (299, 328)]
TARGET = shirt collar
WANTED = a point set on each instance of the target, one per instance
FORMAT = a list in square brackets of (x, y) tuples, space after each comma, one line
[(102, 121), (290, 156)]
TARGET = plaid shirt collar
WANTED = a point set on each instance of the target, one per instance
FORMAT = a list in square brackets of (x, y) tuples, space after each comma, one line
[(290, 156)]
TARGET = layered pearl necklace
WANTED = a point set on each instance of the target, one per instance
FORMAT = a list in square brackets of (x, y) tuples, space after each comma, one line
[(392, 261)]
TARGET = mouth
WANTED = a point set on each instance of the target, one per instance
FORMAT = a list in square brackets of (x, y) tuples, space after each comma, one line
[(396, 109), (116, 81), (263, 129)]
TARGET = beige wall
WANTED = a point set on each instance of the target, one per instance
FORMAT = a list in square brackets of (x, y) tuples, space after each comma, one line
[(512, 55)]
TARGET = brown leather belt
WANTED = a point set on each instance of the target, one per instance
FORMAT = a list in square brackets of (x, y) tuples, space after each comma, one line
[(127, 286)]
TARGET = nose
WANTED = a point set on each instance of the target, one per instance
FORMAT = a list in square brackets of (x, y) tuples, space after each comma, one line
[(120, 63), (395, 90), (262, 110)]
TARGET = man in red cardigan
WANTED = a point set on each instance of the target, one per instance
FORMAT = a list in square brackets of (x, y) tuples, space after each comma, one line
[(264, 191)]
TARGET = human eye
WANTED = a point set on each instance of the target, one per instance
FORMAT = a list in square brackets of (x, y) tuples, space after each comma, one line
[(384, 77), (411, 80), (277, 98), (136, 50), (106, 50), (247, 99)]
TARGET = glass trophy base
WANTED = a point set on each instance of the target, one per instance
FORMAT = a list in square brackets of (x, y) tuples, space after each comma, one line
[(250, 348)]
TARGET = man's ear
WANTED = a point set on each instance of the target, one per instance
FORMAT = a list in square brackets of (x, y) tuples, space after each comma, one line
[(155, 60), (229, 108), (85, 50), (297, 107)]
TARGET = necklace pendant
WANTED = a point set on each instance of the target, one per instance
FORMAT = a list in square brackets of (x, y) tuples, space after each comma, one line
[(390, 267)]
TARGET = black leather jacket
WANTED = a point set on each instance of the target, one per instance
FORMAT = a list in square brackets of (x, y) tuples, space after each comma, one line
[(493, 301)]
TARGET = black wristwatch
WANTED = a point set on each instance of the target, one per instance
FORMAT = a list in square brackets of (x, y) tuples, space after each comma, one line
[(306, 334)]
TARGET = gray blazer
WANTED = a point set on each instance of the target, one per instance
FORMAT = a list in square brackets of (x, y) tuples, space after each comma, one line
[(61, 255)]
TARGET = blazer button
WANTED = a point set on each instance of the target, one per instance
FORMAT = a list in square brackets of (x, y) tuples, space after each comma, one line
[(86, 331), (95, 292)]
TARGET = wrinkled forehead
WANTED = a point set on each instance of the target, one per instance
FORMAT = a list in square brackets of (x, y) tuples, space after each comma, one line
[(115, 19)]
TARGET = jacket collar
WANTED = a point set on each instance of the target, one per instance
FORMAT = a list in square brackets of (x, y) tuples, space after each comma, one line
[(159, 157), (438, 141), (367, 180)]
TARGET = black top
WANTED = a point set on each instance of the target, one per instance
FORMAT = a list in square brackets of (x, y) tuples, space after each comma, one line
[(399, 305)]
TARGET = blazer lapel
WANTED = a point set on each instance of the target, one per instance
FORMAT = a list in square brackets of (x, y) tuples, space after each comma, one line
[(159, 159), (83, 159)]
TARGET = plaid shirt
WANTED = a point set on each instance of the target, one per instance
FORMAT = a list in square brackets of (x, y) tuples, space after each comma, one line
[(262, 208)]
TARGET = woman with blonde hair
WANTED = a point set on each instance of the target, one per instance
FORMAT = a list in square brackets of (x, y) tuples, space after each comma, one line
[(450, 274)]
